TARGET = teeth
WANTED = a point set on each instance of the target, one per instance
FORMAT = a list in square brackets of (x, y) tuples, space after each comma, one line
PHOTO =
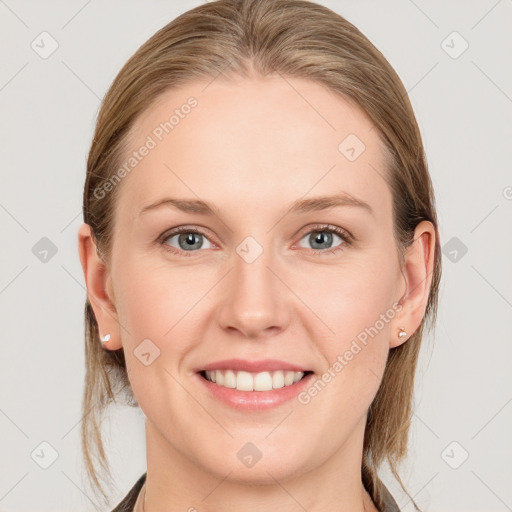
[(289, 378), (229, 379), (278, 380), (246, 381), (263, 381)]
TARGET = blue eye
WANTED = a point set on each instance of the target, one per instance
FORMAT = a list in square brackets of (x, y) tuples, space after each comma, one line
[(188, 240), (324, 237), (185, 240)]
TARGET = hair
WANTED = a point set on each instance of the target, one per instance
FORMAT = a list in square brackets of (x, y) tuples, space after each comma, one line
[(248, 38)]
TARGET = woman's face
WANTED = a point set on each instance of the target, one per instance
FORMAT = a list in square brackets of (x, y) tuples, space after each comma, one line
[(263, 280)]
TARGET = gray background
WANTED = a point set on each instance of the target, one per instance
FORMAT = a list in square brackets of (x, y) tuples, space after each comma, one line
[(464, 109)]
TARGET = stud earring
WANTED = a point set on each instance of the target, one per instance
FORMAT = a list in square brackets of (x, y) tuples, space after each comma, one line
[(402, 333), (104, 339)]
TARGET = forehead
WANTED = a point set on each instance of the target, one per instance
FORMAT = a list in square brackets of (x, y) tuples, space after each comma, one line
[(246, 143)]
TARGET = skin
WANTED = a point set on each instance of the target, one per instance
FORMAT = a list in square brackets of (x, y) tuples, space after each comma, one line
[(252, 147)]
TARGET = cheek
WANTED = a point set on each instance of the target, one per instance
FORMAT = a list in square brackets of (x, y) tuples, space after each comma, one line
[(357, 307), (155, 299), (155, 307), (349, 299)]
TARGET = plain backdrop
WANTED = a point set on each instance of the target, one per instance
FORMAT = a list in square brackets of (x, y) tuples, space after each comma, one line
[(454, 59)]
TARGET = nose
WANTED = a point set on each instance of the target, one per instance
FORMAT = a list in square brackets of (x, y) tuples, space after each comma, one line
[(255, 302)]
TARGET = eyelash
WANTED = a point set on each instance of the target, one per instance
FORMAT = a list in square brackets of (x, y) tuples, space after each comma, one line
[(324, 228)]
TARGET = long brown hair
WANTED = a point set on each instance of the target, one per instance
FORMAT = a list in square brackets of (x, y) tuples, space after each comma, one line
[(294, 38)]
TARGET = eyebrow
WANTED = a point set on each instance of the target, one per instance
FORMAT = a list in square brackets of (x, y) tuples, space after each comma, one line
[(313, 204)]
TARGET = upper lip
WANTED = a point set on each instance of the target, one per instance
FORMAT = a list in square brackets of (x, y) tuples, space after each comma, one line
[(252, 366)]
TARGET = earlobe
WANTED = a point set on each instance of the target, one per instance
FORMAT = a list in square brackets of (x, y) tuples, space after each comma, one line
[(98, 283), (417, 274)]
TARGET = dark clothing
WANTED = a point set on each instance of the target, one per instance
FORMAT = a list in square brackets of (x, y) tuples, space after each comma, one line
[(129, 500)]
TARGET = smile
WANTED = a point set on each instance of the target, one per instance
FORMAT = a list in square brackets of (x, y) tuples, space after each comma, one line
[(249, 381)]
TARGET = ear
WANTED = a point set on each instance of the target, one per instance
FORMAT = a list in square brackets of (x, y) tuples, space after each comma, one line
[(99, 288), (417, 277)]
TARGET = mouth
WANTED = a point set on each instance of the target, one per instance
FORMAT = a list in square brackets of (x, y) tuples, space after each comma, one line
[(254, 381), (253, 385)]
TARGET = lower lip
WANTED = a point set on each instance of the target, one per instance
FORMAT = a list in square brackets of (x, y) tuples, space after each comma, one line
[(255, 400)]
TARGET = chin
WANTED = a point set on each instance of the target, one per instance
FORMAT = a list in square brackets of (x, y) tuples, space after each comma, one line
[(258, 463)]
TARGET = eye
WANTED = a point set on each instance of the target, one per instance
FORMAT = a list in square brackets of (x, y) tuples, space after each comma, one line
[(185, 240), (322, 238)]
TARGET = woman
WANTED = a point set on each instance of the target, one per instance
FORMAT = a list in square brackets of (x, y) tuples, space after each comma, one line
[(261, 252)]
